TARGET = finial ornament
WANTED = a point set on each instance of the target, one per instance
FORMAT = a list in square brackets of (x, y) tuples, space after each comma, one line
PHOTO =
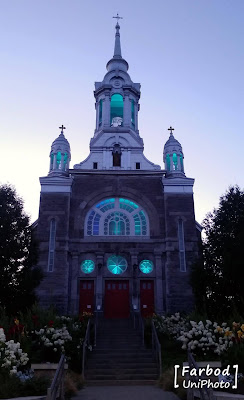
[(62, 128), (171, 129), (118, 17)]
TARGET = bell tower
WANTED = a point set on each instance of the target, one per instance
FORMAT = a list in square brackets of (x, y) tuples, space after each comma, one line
[(116, 143)]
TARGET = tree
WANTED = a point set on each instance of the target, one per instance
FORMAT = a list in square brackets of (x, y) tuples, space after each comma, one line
[(218, 277), (18, 254)]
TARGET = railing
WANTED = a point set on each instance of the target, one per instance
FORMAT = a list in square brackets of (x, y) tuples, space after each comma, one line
[(138, 323), (86, 343), (204, 392), (56, 391), (156, 348)]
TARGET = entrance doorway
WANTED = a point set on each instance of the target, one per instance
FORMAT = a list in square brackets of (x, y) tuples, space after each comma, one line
[(86, 296), (116, 301), (147, 297)]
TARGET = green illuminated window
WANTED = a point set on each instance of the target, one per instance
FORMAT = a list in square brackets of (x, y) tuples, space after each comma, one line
[(175, 161), (127, 205), (133, 113), (87, 266), (168, 162), (146, 266), (58, 159), (117, 264), (106, 205), (100, 111), (116, 223), (65, 160), (116, 106)]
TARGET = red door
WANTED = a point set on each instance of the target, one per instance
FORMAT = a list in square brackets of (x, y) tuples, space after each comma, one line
[(116, 302), (147, 298), (86, 296)]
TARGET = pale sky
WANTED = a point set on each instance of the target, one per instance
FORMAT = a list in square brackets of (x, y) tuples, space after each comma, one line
[(187, 55)]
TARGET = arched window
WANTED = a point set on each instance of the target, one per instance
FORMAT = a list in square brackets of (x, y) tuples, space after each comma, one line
[(59, 156), (175, 162), (181, 163), (117, 217), (52, 239), (116, 108), (65, 161), (117, 156)]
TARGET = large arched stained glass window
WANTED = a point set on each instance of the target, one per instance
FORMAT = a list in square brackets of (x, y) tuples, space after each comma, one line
[(116, 107), (117, 264), (117, 217)]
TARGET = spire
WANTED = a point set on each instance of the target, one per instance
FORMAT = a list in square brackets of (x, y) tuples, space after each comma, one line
[(117, 62), (117, 46), (173, 156)]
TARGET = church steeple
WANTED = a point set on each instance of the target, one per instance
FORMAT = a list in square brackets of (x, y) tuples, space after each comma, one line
[(60, 155), (117, 45), (173, 156)]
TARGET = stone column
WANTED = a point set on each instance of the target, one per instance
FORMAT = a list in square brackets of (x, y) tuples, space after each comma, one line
[(127, 111), (106, 110), (74, 285), (99, 284), (159, 306), (136, 115), (135, 283), (97, 114)]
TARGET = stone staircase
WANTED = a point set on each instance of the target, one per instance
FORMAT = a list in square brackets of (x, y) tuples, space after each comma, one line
[(120, 357)]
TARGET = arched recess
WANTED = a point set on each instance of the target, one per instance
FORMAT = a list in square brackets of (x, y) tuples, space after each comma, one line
[(117, 216)]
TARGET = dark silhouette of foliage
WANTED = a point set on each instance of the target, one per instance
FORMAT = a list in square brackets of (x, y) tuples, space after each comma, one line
[(218, 277), (18, 254)]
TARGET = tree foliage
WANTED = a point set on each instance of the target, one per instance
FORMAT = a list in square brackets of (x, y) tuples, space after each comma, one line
[(218, 278), (18, 254)]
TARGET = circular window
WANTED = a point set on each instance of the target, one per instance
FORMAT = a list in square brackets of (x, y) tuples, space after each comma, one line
[(87, 266), (146, 266), (117, 264)]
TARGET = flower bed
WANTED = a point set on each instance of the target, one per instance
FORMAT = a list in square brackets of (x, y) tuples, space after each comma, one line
[(38, 337)]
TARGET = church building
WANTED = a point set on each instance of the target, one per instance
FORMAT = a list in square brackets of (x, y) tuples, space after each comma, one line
[(117, 233)]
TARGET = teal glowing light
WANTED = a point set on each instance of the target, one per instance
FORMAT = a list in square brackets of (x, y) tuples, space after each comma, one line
[(175, 161), (127, 205), (116, 106), (117, 264), (146, 266), (87, 266), (58, 158)]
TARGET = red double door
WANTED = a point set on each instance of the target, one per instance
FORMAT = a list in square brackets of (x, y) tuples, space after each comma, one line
[(147, 297), (116, 299), (86, 296)]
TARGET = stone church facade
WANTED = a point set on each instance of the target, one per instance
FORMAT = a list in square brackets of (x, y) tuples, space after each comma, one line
[(117, 233)]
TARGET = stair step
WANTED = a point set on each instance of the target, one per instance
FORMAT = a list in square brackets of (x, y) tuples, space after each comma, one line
[(117, 382), (122, 377)]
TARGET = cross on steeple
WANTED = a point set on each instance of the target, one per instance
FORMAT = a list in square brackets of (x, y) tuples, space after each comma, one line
[(171, 129), (62, 129), (118, 17)]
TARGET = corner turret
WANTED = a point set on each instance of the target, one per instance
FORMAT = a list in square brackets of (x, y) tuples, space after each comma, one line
[(173, 157), (60, 155)]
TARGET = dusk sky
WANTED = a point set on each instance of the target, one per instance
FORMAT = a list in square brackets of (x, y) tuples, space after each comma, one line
[(187, 55)]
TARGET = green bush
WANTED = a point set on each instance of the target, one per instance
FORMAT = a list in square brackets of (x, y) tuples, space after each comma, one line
[(11, 386)]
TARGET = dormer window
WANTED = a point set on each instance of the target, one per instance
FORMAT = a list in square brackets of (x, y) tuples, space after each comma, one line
[(117, 156)]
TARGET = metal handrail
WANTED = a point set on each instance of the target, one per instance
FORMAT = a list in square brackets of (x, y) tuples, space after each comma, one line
[(156, 347), (138, 323), (205, 393), (56, 389), (85, 344)]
